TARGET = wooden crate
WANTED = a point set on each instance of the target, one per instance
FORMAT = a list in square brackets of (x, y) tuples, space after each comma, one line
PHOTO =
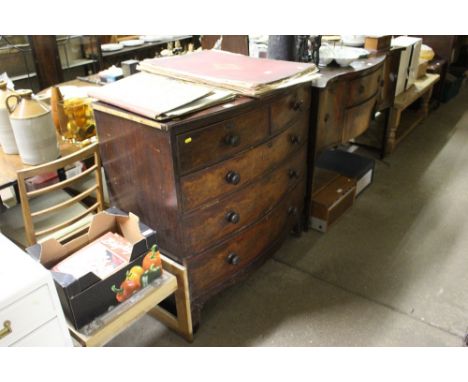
[(378, 42)]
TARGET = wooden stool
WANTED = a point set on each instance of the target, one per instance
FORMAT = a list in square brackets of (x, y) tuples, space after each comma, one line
[(109, 325)]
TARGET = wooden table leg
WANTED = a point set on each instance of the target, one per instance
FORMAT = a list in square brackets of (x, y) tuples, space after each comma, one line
[(425, 101), (383, 149), (392, 126)]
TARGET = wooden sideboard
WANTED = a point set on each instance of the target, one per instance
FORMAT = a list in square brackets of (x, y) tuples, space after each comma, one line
[(343, 100), (222, 187)]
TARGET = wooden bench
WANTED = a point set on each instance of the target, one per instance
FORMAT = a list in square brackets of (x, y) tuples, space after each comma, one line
[(403, 119)]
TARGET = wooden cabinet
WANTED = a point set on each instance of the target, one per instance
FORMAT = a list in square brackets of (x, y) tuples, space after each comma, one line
[(222, 187), (343, 100), (30, 311)]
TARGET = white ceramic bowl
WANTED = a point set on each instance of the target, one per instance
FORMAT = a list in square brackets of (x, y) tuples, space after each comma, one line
[(344, 56), (111, 47), (325, 55), (344, 61), (132, 42)]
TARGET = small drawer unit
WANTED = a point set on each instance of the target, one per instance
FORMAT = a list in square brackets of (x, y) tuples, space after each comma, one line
[(30, 312)]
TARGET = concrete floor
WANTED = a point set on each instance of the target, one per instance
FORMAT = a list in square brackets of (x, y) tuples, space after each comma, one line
[(391, 272)]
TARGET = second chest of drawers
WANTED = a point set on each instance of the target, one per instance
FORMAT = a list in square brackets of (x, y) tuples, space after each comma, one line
[(222, 187)]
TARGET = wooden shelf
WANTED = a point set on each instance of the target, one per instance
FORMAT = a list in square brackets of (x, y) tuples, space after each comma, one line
[(107, 326), (77, 63), (146, 45)]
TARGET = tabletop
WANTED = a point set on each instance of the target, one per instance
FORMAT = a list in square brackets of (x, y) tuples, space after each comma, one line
[(11, 163), (421, 85)]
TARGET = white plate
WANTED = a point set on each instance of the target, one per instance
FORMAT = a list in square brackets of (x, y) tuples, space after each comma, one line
[(132, 42), (150, 38), (111, 47)]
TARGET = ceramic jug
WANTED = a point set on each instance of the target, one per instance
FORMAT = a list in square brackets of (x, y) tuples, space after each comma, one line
[(7, 138), (33, 128)]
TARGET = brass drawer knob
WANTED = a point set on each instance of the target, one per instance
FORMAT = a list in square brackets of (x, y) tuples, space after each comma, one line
[(293, 173), (232, 177), (6, 329), (295, 139), (233, 258), (232, 217), (232, 140)]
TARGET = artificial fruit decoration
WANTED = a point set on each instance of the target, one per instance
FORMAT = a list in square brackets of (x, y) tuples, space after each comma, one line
[(127, 288)]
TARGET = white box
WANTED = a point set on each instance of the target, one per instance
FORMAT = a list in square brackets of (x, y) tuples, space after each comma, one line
[(409, 59)]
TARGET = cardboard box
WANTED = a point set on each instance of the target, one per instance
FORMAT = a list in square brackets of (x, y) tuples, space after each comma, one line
[(422, 68), (331, 202), (378, 43), (409, 60), (350, 165), (87, 297)]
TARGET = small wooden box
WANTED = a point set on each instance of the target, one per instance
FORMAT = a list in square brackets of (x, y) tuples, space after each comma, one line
[(329, 203), (378, 42)]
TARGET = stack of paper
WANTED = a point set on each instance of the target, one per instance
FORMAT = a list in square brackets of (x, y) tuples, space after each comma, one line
[(158, 97), (245, 75)]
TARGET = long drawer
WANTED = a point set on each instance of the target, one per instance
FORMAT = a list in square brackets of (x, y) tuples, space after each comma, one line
[(230, 175), (363, 88), (225, 216), (288, 108), (224, 261), (213, 143)]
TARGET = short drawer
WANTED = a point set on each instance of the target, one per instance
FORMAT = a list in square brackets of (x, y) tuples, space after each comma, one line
[(223, 262), (216, 142), (230, 175), (357, 119), (27, 314), (363, 88), (288, 108), (211, 224)]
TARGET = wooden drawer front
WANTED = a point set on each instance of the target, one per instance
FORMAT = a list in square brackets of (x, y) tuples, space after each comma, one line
[(363, 88), (213, 143), (289, 107), (230, 175), (224, 261), (357, 119), (27, 314), (244, 207), (330, 116)]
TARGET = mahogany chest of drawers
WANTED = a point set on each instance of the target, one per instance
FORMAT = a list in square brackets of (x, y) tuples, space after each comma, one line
[(222, 187)]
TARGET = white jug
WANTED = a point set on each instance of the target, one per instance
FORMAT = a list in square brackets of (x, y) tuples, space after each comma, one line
[(7, 138), (33, 127)]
